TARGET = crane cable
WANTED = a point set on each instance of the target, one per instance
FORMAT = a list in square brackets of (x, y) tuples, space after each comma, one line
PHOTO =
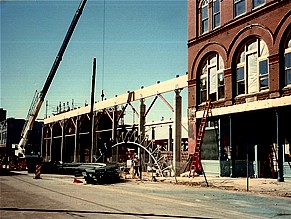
[(103, 53)]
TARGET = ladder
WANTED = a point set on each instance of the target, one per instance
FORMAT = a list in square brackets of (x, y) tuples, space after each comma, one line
[(195, 165)]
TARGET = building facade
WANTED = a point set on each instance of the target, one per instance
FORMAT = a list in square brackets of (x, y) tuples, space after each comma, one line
[(239, 56), (10, 134)]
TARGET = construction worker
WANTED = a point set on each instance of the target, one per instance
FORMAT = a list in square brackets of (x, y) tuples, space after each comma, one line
[(135, 166)]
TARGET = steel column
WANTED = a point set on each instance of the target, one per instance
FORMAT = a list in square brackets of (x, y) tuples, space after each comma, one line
[(77, 149), (142, 121), (279, 150), (170, 140), (62, 124), (231, 149), (114, 134), (41, 143), (178, 131), (51, 141), (93, 138)]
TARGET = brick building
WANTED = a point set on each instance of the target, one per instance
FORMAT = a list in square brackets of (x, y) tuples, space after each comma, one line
[(239, 56), (10, 134)]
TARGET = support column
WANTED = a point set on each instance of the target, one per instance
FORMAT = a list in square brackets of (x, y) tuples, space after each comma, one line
[(92, 110), (177, 131), (170, 140), (93, 153), (231, 149), (221, 152), (77, 149), (220, 142), (62, 124), (46, 144), (41, 143), (114, 134), (142, 120), (51, 141), (153, 134), (279, 150)]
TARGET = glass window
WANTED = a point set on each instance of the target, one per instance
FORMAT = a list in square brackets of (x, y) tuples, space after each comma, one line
[(240, 74), (212, 79), (220, 85), (204, 17), (240, 80), (239, 7), (257, 3), (252, 71), (203, 89), (288, 64), (216, 13), (252, 46), (264, 74)]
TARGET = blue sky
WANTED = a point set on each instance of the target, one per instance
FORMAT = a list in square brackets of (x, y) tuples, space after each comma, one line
[(144, 42)]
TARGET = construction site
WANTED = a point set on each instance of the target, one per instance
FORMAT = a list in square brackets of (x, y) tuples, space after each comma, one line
[(238, 89)]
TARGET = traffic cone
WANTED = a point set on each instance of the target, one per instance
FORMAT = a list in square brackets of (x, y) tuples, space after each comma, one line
[(37, 171), (77, 180)]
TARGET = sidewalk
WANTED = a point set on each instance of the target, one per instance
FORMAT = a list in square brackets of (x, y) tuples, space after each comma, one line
[(255, 185)]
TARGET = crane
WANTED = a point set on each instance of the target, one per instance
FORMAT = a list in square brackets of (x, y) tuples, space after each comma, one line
[(35, 107)]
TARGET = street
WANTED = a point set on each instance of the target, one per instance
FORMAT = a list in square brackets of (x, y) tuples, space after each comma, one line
[(56, 196)]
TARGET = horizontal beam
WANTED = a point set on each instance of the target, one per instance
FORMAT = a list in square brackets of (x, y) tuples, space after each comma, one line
[(159, 88), (246, 107)]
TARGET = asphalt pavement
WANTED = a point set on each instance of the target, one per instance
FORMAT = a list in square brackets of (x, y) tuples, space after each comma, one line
[(67, 196)]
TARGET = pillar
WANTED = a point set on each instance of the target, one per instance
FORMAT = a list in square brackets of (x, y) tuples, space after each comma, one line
[(220, 141), (153, 138), (231, 149), (177, 131), (62, 124), (170, 140), (51, 141), (114, 134), (142, 120), (41, 143), (93, 150), (46, 144), (279, 150), (77, 146)]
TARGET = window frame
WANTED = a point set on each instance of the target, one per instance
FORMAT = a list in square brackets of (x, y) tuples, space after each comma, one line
[(286, 69), (204, 21), (258, 5), (207, 67), (237, 2), (243, 62), (214, 14)]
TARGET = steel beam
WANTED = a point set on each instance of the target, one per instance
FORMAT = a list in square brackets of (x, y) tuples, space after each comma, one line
[(153, 90)]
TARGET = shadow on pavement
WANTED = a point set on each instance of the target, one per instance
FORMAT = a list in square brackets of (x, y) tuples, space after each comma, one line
[(98, 213), (5, 172)]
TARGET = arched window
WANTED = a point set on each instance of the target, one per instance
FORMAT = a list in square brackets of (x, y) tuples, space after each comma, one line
[(215, 13), (212, 79), (204, 16), (288, 63), (252, 70)]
